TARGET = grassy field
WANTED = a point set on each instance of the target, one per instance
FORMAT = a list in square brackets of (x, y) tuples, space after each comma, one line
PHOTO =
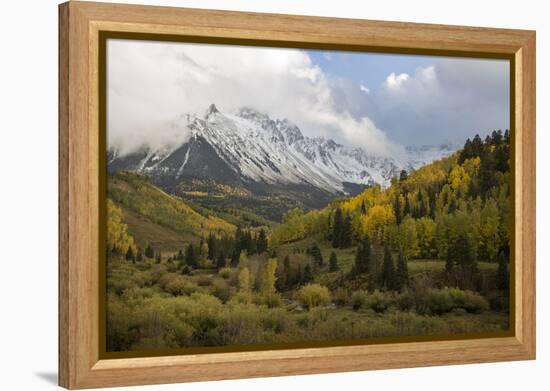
[(346, 257), (147, 232), (152, 305), (433, 265)]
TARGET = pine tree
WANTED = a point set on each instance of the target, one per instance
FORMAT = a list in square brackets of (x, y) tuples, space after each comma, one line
[(180, 256), (402, 272), (333, 262), (211, 247), (158, 257), (461, 260), (316, 254), (252, 242), (476, 146), (388, 270), (149, 251), (496, 137), (114, 249), (421, 206), (130, 255), (347, 233), (363, 257), (262, 242), (466, 152), (503, 278), (190, 256), (502, 156), (407, 208), (308, 275), (431, 203), (363, 208), (220, 262), (397, 209), (235, 255), (487, 178), (337, 228), (403, 175)]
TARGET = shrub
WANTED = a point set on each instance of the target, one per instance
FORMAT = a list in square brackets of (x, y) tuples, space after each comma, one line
[(276, 320), (359, 299), (474, 302), (340, 296), (241, 298), (119, 285), (225, 273), (447, 299), (405, 301), (420, 287), (313, 295), (165, 279), (378, 301), (136, 294), (439, 301), (241, 324), (221, 290), (180, 286), (273, 300)]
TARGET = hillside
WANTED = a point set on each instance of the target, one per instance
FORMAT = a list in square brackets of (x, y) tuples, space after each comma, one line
[(154, 216), (464, 197)]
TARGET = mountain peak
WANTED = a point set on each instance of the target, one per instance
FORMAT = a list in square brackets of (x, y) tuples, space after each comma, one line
[(212, 109), (252, 114), (291, 132)]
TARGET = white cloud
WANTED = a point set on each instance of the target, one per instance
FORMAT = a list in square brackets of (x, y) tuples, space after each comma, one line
[(366, 90), (450, 100), (395, 81), (152, 83)]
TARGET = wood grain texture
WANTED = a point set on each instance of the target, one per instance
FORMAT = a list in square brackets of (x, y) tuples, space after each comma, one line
[(63, 221), (80, 23)]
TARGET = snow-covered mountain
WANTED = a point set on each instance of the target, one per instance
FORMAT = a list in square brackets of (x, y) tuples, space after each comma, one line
[(249, 147)]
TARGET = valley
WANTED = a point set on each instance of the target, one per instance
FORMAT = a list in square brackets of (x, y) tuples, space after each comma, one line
[(206, 251)]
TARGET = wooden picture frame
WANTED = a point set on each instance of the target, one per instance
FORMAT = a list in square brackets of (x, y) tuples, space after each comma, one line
[(80, 25)]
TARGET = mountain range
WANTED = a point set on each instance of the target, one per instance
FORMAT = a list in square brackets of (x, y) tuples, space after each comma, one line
[(256, 154)]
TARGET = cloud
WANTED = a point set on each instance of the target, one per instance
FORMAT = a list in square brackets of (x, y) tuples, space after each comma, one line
[(150, 84), (395, 81), (366, 90), (448, 101)]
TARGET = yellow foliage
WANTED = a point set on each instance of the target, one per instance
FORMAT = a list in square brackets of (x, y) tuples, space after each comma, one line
[(117, 230), (313, 295), (244, 280), (376, 220), (268, 277), (459, 179)]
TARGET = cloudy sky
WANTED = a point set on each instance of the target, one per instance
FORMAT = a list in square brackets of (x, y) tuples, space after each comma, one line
[(380, 102)]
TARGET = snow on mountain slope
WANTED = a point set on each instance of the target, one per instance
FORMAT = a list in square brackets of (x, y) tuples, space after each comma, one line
[(259, 149)]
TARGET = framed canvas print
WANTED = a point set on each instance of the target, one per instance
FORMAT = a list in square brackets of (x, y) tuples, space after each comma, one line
[(247, 195)]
